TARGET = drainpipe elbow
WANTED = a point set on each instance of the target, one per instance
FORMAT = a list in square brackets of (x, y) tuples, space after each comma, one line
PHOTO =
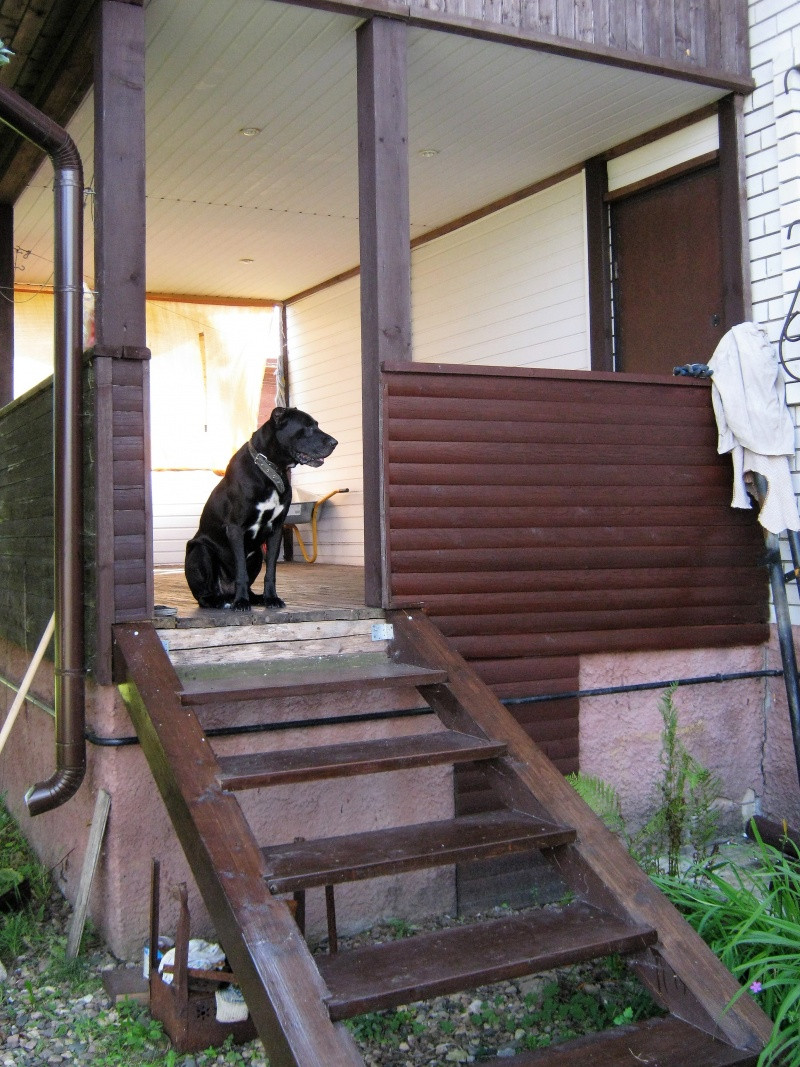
[(58, 789)]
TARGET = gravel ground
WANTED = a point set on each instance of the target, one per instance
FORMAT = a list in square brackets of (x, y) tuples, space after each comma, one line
[(46, 1019)]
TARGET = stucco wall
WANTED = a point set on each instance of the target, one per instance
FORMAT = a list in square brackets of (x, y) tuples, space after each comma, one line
[(722, 724)]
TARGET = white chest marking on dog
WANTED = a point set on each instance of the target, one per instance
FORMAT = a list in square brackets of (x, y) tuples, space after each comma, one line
[(270, 504)]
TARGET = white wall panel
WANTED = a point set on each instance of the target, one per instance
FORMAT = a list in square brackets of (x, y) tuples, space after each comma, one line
[(679, 147), (178, 499), (324, 340), (509, 290)]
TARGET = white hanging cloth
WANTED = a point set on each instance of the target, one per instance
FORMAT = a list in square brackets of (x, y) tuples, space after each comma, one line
[(748, 392)]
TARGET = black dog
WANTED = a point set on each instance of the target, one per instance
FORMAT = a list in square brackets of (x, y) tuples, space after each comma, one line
[(247, 509)]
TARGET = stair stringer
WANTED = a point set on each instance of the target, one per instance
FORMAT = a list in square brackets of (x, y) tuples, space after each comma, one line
[(680, 971), (280, 981)]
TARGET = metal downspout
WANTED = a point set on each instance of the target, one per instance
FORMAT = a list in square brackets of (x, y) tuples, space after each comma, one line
[(777, 580), (68, 449)]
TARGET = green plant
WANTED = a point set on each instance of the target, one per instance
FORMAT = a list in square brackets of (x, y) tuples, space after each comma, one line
[(604, 801), (77, 972), (683, 799), (568, 1008), (22, 927), (384, 1027), (138, 1035), (400, 928), (751, 920)]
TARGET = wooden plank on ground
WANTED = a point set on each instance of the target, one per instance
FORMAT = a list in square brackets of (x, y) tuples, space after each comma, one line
[(102, 806)]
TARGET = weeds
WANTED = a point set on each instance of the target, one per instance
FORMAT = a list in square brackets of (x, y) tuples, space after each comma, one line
[(683, 801), (571, 1003), (751, 920)]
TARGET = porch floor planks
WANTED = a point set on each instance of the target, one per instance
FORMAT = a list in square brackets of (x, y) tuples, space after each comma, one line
[(318, 590), (466, 957)]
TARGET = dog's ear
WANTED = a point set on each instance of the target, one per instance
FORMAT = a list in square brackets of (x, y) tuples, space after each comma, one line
[(278, 417)]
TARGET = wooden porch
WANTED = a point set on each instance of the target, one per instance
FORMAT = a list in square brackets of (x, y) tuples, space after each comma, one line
[(311, 591)]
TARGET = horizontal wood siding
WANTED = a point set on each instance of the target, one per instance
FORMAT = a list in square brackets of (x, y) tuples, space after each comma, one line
[(682, 146), (540, 516), (132, 536), (178, 499), (509, 289), (27, 517)]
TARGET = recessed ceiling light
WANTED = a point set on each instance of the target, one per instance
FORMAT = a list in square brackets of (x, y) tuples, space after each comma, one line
[(428, 153), (246, 259), (250, 131)]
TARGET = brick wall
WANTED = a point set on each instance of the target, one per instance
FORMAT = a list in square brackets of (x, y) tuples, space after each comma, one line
[(772, 141)]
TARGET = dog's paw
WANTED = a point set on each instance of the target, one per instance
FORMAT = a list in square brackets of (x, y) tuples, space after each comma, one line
[(241, 605), (274, 602)]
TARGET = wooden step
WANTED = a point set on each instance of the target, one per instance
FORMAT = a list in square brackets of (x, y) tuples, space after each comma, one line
[(255, 769), (465, 957), (328, 677), (332, 860), (665, 1042)]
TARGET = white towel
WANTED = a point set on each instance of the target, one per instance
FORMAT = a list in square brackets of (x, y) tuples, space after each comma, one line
[(748, 392)]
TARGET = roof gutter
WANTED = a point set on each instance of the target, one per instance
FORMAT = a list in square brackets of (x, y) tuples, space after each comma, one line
[(68, 449)]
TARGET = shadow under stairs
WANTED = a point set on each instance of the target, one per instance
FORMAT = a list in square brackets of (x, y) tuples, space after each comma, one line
[(298, 1001)]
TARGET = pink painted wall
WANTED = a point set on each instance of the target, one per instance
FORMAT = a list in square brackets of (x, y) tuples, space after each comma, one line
[(738, 729), (781, 788)]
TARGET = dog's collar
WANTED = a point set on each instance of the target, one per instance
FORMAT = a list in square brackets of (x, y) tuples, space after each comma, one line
[(267, 468)]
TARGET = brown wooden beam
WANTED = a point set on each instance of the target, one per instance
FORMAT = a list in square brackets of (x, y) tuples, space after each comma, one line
[(384, 229), (6, 304), (598, 255), (625, 48), (120, 316), (736, 291)]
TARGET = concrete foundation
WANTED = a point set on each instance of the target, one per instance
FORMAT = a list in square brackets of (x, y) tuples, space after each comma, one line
[(739, 729)]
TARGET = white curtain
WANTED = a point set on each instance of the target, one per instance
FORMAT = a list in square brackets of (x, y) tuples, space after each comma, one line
[(206, 372)]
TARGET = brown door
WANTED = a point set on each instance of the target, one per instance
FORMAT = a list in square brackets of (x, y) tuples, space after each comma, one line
[(668, 300)]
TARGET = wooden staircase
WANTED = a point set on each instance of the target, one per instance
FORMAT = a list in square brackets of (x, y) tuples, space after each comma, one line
[(298, 1001)]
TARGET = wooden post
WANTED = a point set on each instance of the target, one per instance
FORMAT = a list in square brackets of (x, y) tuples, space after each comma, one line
[(598, 253), (384, 229), (737, 298), (124, 576), (6, 303)]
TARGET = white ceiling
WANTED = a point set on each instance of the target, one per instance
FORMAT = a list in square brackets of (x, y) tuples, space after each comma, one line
[(499, 118)]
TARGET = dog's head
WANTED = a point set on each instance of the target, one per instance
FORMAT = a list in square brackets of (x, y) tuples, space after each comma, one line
[(295, 437)]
